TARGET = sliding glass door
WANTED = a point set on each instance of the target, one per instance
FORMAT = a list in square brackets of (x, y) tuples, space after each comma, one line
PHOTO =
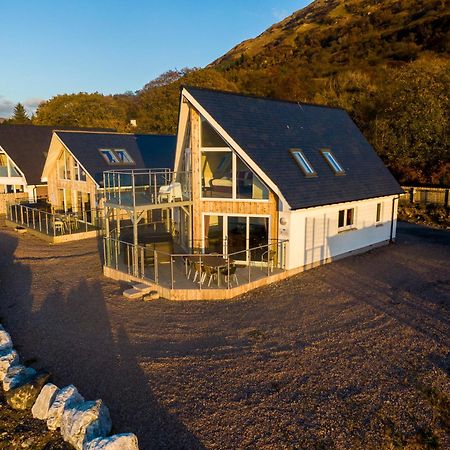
[(235, 235)]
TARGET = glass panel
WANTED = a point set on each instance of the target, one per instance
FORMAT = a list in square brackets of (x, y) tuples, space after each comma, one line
[(237, 237), (378, 212), (209, 137), (341, 218), (303, 162), (332, 161), (124, 157), (216, 174), (350, 216), (258, 235), (248, 185), (3, 165), (213, 226)]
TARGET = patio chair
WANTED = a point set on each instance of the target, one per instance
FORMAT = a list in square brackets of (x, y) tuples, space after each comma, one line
[(198, 272), (170, 192), (58, 226), (269, 257), (230, 275), (210, 272)]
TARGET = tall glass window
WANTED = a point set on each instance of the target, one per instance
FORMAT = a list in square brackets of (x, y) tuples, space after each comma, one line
[(248, 185), (217, 179), (213, 226), (209, 136)]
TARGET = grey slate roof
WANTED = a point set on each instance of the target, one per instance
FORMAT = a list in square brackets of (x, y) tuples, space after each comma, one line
[(27, 145), (267, 129), (147, 150)]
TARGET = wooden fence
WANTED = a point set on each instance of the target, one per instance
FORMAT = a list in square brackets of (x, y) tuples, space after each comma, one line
[(426, 195)]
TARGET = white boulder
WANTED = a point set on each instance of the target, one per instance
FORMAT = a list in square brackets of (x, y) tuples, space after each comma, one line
[(17, 376), (124, 441), (85, 421), (44, 401), (66, 397), (8, 358), (5, 340)]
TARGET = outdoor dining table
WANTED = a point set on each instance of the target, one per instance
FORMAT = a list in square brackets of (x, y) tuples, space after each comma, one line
[(213, 261)]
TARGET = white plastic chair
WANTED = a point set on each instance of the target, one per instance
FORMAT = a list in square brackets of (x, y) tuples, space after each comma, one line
[(170, 192)]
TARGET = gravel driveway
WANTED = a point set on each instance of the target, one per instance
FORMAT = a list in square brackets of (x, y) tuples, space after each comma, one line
[(354, 354)]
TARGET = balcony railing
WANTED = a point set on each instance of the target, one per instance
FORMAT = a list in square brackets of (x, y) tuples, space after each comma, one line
[(142, 187), (195, 270), (53, 224)]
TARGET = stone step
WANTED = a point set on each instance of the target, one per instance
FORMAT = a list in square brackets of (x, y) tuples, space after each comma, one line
[(133, 293)]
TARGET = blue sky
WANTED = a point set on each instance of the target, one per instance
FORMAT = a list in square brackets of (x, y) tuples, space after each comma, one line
[(51, 47)]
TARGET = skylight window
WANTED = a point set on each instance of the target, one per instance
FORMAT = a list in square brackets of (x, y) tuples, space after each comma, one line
[(109, 156), (116, 156), (332, 162), (304, 164), (124, 157)]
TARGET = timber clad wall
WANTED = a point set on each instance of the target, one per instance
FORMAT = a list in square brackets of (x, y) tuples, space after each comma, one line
[(269, 208), (6, 199), (55, 183)]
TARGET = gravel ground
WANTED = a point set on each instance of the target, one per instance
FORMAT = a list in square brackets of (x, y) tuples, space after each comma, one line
[(351, 355)]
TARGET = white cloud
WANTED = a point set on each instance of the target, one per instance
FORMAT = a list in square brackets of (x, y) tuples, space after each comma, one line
[(32, 103), (6, 107)]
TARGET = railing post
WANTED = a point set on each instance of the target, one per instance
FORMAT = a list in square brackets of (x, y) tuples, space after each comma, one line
[(142, 263), (116, 253), (228, 270), (118, 186), (171, 272), (46, 222), (155, 260), (21, 214), (40, 221), (249, 264)]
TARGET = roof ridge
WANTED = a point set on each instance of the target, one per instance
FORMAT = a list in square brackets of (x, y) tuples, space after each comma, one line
[(259, 97)]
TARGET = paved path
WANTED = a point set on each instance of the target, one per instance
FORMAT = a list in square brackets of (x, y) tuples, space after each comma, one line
[(354, 354)]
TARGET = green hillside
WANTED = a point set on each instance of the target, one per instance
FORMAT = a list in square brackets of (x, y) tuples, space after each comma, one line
[(386, 62)]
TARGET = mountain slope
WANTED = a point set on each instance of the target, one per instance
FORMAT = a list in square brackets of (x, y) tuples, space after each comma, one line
[(331, 35)]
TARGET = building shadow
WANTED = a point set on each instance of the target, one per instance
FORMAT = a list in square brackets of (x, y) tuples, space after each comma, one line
[(70, 335)]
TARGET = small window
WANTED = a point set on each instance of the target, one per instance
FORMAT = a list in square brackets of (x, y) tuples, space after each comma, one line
[(332, 162), (124, 157), (304, 164), (109, 156), (379, 209), (346, 218)]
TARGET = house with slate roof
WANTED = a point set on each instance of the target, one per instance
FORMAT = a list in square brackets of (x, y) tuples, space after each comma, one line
[(274, 188), (23, 149), (76, 161)]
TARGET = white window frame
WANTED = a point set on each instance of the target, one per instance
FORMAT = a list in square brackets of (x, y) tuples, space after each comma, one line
[(346, 225), (379, 220)]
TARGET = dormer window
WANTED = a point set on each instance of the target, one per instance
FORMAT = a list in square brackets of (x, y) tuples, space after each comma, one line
[(304, 164), (332, 162)]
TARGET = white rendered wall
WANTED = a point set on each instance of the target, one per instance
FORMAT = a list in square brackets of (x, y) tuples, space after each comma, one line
[(314, 235)]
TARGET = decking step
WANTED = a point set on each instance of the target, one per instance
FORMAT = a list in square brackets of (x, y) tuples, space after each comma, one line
[(144, 288), (133, 293)]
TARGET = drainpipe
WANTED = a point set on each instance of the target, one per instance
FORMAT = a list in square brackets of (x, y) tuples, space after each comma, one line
[(391, 240)]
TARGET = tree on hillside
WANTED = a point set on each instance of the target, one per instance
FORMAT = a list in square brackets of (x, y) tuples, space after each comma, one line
[(158, 106), (19, 116), (412, 132), (83, 110)]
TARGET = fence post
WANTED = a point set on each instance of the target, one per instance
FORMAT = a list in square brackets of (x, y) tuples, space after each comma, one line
[(249, 264)]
